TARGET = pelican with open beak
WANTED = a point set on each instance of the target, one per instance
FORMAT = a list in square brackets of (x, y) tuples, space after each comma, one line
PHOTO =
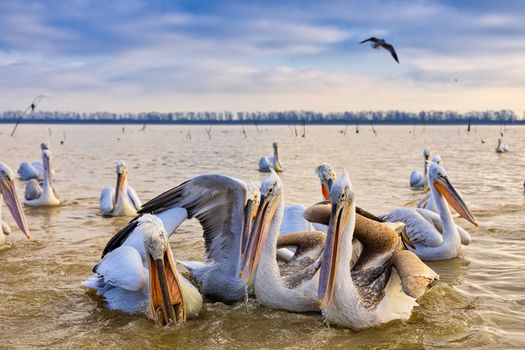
[(123, 200), (143, 279), (8, 194), (436, 236), (382, 285)]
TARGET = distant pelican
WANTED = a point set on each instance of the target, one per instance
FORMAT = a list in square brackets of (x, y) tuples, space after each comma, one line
[(377, 43), (10, 198), (33, 170), (225, 208), (501, 148), (122, 200), (427, 202), (272, 162), (384, 283), (418, 180), (35, 195), (435, 237), (140, 277)]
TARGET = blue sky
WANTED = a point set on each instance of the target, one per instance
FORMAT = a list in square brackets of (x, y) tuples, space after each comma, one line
[(132, 55)]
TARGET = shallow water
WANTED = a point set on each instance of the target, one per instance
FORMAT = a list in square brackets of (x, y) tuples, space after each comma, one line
[(480, 300)]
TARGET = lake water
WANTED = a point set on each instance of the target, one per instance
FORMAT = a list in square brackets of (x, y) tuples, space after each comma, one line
[(479, 302)]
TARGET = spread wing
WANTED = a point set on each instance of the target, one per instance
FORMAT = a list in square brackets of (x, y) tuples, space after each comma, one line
[(390, 49), (372, 39)]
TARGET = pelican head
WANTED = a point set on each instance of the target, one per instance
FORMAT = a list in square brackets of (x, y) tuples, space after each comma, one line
[(166, 305), (326, 175), (341, 223), (274, 145), (122, 172), (271, 193), (44, 145), (438, 177), (437, 159), (8, 192), (426, 154)]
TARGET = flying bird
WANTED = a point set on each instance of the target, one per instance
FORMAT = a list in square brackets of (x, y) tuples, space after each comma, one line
[(376, 43)]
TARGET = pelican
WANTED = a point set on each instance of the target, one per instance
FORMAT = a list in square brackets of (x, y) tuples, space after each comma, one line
[(123, 200), (224, 207), (418, 180), (384, 283), (501, 148), (427, 202), (293, 289), (33, 170), (293, 218), (10, 198), (272, 162), (436, 237), (377, 43), (140, 277), (35, 195)]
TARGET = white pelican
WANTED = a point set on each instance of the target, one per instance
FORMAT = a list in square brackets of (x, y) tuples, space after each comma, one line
[(224, 208), (384, 283), (418, 180), (33, 170), (293, 219), (272, 162), (294, 288), (42, 196), (123, 200), (435, 237), (10, 198), (501, 148), (140, 277)]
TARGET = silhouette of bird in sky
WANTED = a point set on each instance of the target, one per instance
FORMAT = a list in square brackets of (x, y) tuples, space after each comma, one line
[(377, 43)]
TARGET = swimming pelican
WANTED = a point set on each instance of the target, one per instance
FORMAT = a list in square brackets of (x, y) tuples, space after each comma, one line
[(501, 148), (418, 180), (293, 219), (35, 195), (293, 289), (10, 198), (33, 170), (224, 207), (140, 277), (436, 237), (384, 283), (123, 200), (272, 162)]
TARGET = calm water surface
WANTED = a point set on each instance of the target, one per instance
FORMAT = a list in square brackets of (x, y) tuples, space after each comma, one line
[(480, 301)]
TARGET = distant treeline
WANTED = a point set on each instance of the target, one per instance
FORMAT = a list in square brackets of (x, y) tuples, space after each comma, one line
[(283, 117)]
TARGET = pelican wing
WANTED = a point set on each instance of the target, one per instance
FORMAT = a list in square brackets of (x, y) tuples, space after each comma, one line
[(218, 203), (294, 221), (33, 190), (27, 171), (372, 39), (107, 199), (418, 228), (309, 244), (392, 51), (435, 220), (416, 277), (134, 198)]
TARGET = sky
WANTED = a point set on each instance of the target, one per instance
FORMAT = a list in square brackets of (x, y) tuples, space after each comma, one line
[(138, 56)]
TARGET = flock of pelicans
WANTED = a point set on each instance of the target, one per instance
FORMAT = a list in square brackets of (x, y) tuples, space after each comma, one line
[(358, 269)]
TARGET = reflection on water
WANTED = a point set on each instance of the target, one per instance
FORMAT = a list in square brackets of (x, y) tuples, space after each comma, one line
[(478, 302)]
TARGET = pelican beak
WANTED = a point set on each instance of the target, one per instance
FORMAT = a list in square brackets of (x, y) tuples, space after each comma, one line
[(404, 238), (7, 188), (166, 300), (257, 238), (121, 177), (326, 187), (339, 220), (448, 191), (250, 213)]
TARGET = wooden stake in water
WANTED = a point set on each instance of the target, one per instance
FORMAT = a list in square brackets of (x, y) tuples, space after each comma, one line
[(31, 107)]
